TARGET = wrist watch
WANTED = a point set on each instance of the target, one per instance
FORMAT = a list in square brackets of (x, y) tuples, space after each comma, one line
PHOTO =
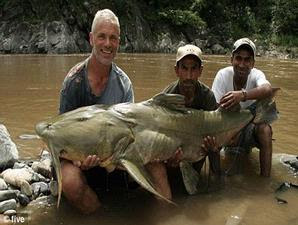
[(244, 93)]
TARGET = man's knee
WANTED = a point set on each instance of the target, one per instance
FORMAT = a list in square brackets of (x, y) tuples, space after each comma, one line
[(158, 172), (73, 180), (264, 130), (157, 169), (76, 189)]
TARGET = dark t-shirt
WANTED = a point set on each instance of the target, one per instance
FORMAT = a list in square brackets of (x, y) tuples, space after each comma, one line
[(76, 91), (204, 98)]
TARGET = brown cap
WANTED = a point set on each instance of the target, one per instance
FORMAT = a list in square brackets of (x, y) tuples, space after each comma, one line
[(244, 41), (188, 50)]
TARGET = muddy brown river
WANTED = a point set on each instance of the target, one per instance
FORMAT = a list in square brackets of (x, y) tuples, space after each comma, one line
[(29, 92)]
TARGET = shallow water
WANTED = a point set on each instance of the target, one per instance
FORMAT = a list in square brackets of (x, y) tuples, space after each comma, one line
[(29, 92)]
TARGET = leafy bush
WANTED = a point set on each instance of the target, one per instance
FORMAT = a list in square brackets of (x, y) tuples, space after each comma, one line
[(285, 40), (182, 18), (285, 17)]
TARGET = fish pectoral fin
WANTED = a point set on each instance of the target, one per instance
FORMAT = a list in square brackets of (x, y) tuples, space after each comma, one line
[(140, 175), (190, 177)]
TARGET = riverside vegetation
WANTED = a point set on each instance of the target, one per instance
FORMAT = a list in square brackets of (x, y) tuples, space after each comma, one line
[(61, 26)]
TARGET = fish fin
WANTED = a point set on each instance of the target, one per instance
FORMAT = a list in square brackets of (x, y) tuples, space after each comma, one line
[(171, 101), (119, 150), (190, 177), (264, 110), (57, 167), (139, 173)]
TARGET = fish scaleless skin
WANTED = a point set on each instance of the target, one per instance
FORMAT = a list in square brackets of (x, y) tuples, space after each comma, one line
[(159, 131), (133, 134)]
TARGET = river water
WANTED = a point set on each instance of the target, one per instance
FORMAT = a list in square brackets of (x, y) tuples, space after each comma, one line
[(29, 92)]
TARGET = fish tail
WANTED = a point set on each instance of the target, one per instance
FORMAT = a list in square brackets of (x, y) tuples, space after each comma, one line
[(265, 110)]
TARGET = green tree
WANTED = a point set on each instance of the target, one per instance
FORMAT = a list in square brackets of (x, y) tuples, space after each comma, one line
[(285, 17)]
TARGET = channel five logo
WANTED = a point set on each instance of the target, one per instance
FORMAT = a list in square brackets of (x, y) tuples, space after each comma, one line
[(18, 219)]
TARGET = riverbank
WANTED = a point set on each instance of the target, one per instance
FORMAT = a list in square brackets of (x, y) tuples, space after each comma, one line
[(61, 27)]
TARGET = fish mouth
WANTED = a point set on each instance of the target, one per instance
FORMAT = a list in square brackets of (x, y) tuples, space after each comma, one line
[(41, 128)]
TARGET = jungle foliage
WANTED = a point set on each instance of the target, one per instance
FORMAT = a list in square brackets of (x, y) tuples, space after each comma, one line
[(272, 20)]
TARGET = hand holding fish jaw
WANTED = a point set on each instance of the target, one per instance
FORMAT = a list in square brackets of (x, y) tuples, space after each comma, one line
[(231, 98), (172, 161), (88, 163), (176, 159), (209, 144)]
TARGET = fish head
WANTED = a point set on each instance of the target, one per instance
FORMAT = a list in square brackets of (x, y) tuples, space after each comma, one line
[(82, 132), (86, 131)]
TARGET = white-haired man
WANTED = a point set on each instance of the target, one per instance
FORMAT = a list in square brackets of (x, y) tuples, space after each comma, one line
[(96, 80)]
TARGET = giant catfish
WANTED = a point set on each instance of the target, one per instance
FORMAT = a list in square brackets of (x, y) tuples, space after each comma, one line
[(133, 134)]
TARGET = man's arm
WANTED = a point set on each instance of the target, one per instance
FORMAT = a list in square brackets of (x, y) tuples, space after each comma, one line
[(234, 97), (65, 104), (68, 98), (218, 87), (129, 96), (88, 163)]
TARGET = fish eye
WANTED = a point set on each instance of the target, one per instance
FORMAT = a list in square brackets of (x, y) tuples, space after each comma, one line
[(82, 119), (63, 152), (110, 124)]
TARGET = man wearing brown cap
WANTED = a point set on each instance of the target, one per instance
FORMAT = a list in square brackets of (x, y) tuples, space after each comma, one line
[(188, 68), (242, 83)]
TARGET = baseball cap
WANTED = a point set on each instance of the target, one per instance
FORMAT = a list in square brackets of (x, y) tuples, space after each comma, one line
[(188, 50), (244, 41)]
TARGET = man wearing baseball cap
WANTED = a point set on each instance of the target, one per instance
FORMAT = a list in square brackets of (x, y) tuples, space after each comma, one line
[(188, 68), (242, 83)]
